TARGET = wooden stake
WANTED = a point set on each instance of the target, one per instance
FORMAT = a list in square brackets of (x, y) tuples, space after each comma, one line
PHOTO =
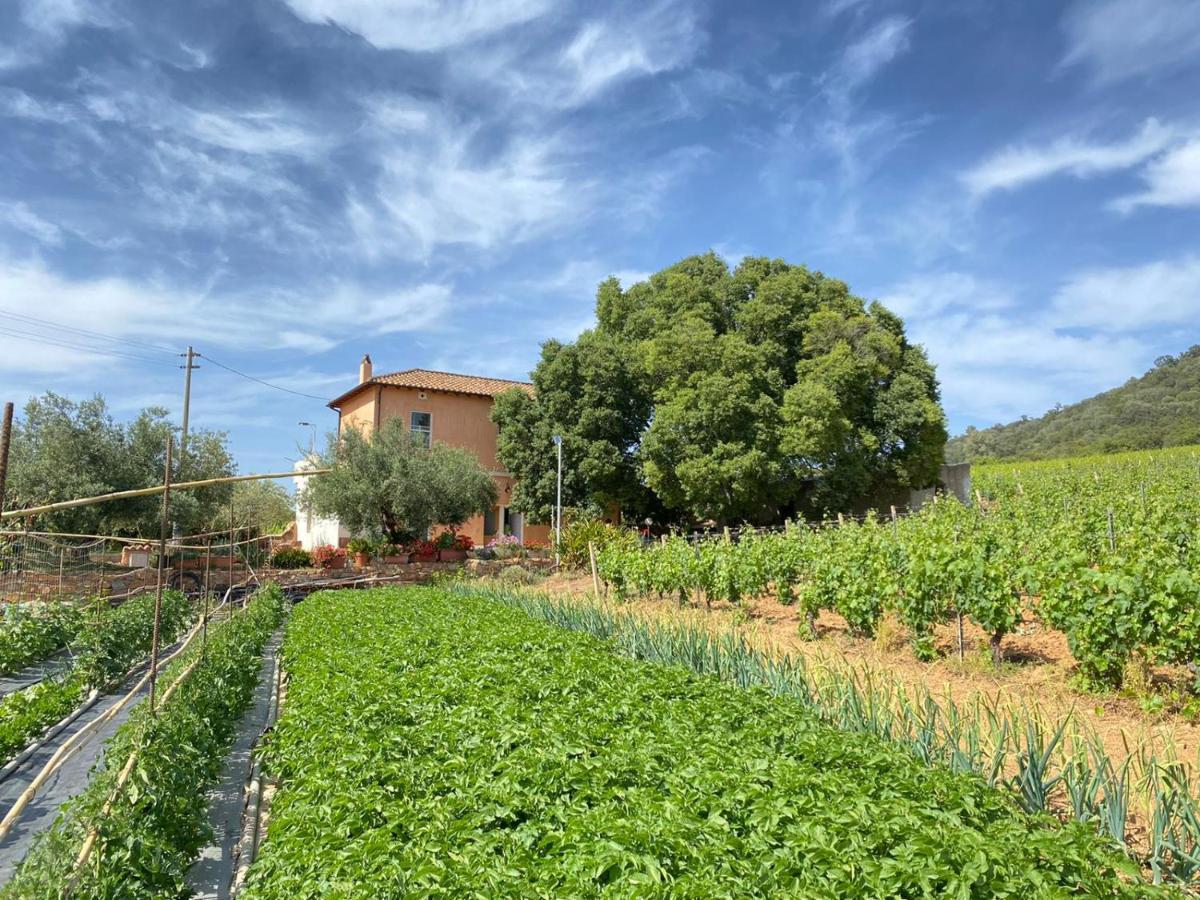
[(595, 573), (841, 520), (1112, 531)]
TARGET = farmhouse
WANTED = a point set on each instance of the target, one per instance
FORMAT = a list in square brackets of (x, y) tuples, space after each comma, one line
[(446, 408)]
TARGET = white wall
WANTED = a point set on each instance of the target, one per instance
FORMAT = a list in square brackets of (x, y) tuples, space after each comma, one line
[(311, 530)]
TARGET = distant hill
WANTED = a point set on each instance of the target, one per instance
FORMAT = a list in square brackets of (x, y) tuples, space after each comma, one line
[(1160, 409)]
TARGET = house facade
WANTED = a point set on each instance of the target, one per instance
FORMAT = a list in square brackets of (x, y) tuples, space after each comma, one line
[(444, 408)]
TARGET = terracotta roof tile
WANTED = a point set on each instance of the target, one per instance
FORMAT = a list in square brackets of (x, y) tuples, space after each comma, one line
[(429, 380)]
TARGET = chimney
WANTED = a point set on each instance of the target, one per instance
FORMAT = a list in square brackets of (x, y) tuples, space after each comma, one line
[(364, 369)]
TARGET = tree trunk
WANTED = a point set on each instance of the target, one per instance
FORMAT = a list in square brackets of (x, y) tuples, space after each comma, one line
[(997, 653)]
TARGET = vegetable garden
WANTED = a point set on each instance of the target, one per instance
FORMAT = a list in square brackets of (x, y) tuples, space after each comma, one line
[(443, 743)]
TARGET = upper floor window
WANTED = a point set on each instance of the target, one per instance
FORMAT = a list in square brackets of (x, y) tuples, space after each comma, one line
[(422, 424)]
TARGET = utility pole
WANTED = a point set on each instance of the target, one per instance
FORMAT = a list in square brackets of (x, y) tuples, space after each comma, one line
[(190, 356), (5, 439)]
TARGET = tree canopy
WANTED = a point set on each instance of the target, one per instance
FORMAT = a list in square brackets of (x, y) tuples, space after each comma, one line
[(63, 450), (1160, 409), (744, 395), (388, 484), (266, 504)]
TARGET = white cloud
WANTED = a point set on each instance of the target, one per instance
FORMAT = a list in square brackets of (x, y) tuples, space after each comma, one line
[(997, 360), (312, 320), (421, 24), (1119, 39), (930, 294), (1172, 179), (1018, 165), (1127, 299)]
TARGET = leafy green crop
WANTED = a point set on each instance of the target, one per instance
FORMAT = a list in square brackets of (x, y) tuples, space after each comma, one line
[(106, 647), (439, 744), (31, 632), (159, 824)]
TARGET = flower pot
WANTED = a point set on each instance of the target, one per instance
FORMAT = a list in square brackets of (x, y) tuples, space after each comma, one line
[(362, 560), (338, 562), (425, 557), (396, 559), (451, 555)]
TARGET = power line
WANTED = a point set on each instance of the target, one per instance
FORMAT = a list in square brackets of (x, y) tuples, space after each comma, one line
[(68, 345), (260, 381), (44, 323)]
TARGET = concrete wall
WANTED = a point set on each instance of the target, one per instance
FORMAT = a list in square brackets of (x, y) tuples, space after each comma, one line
[(312, 530)]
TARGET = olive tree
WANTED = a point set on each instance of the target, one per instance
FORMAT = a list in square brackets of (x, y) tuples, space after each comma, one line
[(388, 484)]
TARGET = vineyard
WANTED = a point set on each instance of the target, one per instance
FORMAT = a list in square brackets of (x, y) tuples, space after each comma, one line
[(439, 743), (1106, 550)]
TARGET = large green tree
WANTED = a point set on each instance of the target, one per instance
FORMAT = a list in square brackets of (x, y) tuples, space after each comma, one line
[(741, 395), (63, 450), (389, 484)]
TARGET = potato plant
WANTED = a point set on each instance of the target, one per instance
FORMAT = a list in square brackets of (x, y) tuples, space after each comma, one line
[(439, 743)]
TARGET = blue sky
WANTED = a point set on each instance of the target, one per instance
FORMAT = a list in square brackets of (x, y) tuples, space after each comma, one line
[(287, 184)]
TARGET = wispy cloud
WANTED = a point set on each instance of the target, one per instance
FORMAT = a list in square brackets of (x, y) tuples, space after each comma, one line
[(1120, 39), (159, 312), (1022, 164), (20, 217), (423, 25)]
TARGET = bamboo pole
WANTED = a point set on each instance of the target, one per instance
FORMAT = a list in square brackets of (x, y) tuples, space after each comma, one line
[(158, 591), (150, 492), (128, 540)]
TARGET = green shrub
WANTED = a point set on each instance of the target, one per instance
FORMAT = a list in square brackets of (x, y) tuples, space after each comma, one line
[(31, 632), (578, 534), (291, 558)]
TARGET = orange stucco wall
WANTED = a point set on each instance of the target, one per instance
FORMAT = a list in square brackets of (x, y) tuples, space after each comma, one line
[(460, 420)]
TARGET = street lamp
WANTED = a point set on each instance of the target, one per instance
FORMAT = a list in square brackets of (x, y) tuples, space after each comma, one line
[(312, 444), (558, 506)]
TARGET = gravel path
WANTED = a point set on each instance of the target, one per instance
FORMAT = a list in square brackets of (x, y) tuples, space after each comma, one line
[(211, 877)]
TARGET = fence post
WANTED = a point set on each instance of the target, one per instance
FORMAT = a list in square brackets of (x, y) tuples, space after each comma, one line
[(5, 441), (841, 520), (158, 591), (207, 595), (1112, 531), (595, 573), (61, 555)]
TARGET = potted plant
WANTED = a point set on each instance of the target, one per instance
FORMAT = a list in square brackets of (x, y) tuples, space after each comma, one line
[(329, 557), (537, 550), (453, 546), (423, 551), (394, 555), (360, 549), (505, 546)]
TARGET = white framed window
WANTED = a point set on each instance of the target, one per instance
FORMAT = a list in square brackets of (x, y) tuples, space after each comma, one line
[(421, 424)]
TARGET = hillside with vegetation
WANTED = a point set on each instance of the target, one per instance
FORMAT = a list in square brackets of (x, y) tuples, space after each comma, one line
[(1160, 409)]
